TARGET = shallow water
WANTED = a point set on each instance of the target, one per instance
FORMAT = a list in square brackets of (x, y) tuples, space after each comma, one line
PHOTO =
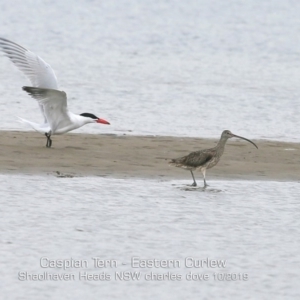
[(183, 68), (252, 225)]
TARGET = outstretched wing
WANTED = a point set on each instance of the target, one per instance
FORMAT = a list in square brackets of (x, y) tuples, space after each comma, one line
[(55, 107), (34, 67), (38, 71), (193, 160)]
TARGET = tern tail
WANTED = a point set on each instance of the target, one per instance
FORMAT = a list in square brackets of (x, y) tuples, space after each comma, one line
[(41, 128)]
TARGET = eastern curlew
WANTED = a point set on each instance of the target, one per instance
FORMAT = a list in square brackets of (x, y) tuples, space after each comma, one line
[(205, 159)]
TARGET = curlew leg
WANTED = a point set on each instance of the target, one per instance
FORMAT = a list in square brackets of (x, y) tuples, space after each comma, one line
[(205, 184), (49, 141), (194, 183)]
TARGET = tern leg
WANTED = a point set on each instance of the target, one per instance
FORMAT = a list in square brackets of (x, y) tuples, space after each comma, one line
[(194, 183), (49, 141)]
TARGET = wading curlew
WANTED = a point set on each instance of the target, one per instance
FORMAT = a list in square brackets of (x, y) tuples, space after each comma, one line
[(205, 159)]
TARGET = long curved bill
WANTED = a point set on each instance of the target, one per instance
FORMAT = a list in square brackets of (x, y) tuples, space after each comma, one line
[(240, 137)]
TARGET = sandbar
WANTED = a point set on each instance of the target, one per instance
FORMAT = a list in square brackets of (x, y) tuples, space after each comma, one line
[(127, 156)]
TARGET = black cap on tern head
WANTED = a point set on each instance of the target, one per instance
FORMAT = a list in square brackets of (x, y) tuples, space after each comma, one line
[(98, 120), (88, 115)]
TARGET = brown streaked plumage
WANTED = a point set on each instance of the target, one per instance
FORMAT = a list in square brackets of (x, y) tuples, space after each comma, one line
[(205, 159)]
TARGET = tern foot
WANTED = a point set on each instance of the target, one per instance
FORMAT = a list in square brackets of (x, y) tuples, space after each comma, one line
[(49, 141), (194, 184)]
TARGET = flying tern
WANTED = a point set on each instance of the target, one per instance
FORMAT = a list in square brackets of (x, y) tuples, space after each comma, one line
[(53, 102)]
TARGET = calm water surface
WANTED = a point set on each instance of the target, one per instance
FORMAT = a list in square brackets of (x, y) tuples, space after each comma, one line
[(184, 68), (253, 226)]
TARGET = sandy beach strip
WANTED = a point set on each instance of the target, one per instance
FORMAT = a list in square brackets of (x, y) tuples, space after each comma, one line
[(125, 156)]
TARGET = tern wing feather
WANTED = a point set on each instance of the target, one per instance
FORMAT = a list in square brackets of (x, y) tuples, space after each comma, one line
[(34, 67), (54, 103), (38, 71)]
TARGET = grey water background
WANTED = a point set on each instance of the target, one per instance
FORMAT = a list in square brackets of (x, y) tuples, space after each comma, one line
[(254, 226), (183, 68), (180, 68)]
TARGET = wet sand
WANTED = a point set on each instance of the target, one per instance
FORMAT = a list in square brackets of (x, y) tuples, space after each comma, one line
[(125, 156)]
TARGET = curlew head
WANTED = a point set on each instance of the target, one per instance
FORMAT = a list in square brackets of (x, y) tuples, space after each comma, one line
[(227, 134), (94, 118)]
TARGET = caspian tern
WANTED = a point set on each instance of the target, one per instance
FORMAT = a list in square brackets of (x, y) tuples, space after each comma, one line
[(53, 103)]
